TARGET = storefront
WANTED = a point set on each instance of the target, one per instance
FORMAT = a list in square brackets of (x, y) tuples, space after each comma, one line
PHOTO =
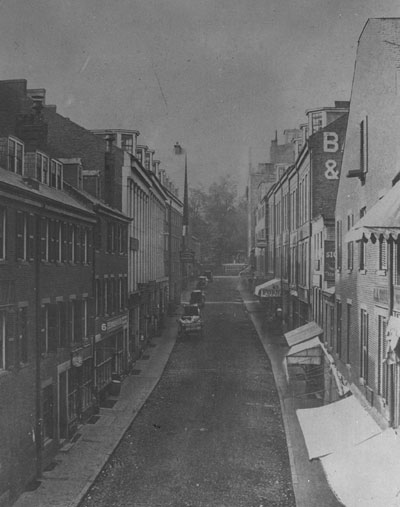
[(111, 354)]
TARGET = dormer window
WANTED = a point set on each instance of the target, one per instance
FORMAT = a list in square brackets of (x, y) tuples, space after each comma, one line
[(15, 155), (139, 155), (316, 121), (147, 160), (56, 170), (127, 142), (42, 168)]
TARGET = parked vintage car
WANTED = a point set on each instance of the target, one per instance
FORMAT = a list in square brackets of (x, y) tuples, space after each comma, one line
[(190, 321), (197, 297)]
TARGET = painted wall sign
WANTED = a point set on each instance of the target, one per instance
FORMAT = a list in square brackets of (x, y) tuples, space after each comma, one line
[(329, 258), (331, 145)]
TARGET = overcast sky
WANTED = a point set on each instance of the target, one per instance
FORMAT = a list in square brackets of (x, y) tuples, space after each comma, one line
[(219, 76)]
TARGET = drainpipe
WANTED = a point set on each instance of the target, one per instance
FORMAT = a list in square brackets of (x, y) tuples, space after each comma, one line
[(38, 386)]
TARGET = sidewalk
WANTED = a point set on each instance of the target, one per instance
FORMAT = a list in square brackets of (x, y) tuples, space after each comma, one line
[(75, 470), (309, 482)]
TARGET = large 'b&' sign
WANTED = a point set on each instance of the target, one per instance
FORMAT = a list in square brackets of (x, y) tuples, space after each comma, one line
[(331, 145)]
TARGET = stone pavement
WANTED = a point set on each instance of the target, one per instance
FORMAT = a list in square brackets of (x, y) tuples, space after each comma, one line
[(75, 470), (309, 482)]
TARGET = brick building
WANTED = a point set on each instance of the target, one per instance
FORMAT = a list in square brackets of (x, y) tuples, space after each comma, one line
[(305, 192), (367, 224), (46, 271)]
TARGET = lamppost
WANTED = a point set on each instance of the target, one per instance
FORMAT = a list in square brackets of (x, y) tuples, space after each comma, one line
[(178, 150)]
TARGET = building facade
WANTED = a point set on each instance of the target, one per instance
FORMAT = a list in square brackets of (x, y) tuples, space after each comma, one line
[(367, 251), (46, 272)]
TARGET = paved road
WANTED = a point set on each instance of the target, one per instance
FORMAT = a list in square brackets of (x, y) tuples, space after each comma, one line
[(211, 433)]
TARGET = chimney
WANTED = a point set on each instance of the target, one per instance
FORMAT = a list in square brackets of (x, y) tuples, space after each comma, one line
[(162, 176), (110, 138), (32, 127)]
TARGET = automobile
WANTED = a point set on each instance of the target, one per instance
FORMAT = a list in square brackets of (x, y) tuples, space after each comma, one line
[(209, 275), (197, 297), (202, 282), (190, 321)]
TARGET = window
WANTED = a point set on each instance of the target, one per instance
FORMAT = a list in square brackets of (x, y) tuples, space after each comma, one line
[(361, 254), (339, 244), (364, 345), (382, 367), (85, 319), (15, 156), (3, 338), (64, 242), (98, 236), (348, 333), (77, 320), (56, 174), (350, 244), (77, 244), (316, 122), (382, 254), (44, 239), (49, 329), (23, 334), (25, 232), (42, 168), (339, 328), (98, 297), (396, 267), (350, 255), (106, 297), (48, 411), (62, 324), (3, 232), (110, 237), (127, 142), (84, 246), (364, 146)]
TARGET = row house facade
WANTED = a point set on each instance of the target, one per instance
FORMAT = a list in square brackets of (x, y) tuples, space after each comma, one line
[(281, 156), (342, 220), (46, 325), (300, 216), (367, 297), (83, 280), (154, 284)]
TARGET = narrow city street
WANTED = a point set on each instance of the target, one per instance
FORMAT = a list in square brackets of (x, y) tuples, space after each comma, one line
[(211, 433)]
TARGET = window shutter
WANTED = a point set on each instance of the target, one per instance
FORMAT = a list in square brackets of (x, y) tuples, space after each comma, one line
[(31, 236), (52, 321)]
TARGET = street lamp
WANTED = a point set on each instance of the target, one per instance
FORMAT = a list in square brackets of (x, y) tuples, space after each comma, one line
[(178, 150)]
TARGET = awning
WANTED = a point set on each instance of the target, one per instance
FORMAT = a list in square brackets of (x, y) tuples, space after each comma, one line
[(368, 474), (269, 289), (336, 426), (303, 333), (308, 352), (383, 219)]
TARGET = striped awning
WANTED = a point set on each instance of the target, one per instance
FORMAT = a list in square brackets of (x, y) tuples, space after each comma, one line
[(382, 220)]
